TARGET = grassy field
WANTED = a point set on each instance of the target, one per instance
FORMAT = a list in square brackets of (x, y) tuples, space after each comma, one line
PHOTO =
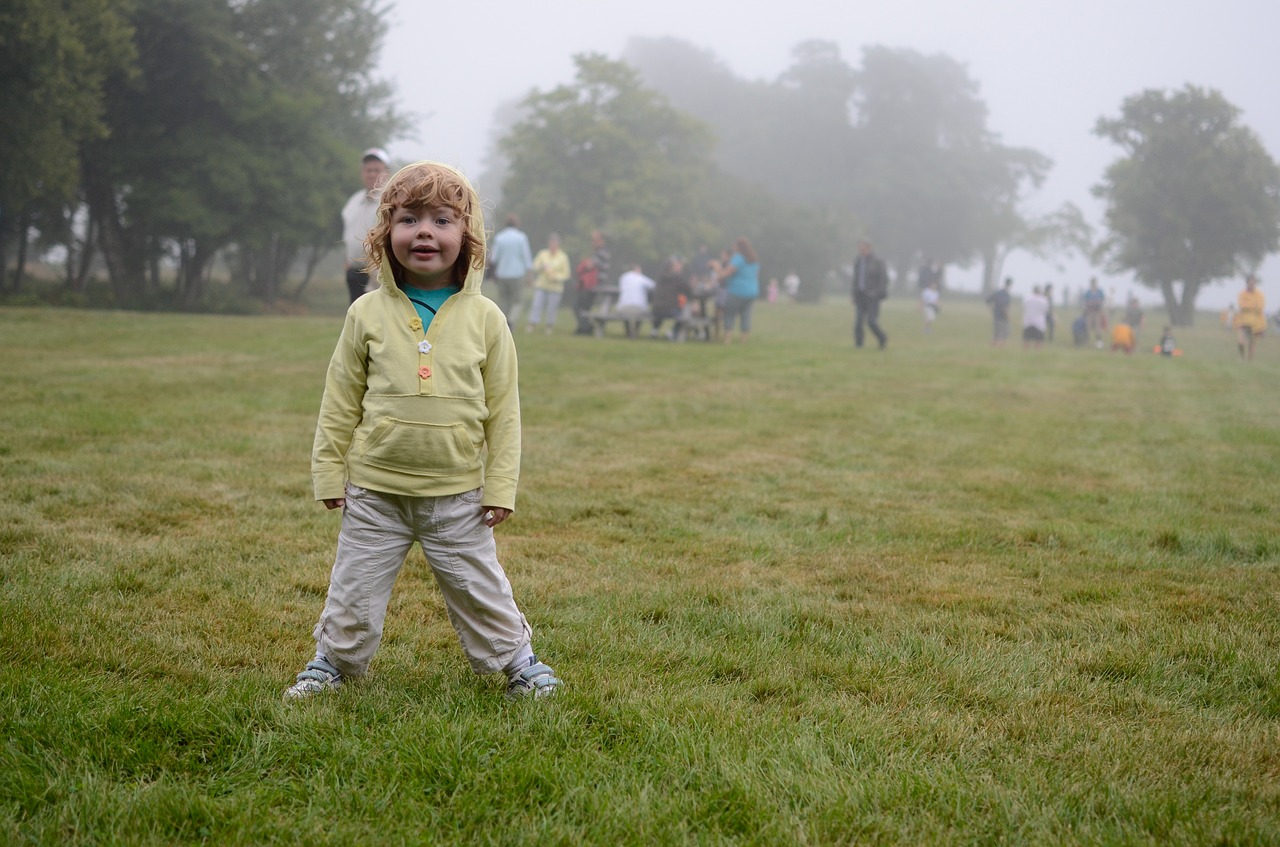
[(800, 594)]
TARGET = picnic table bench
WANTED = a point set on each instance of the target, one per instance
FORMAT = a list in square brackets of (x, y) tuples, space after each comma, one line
[(604, 311)]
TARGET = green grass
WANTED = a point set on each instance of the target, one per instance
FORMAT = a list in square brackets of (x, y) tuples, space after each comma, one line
[(942, 594)]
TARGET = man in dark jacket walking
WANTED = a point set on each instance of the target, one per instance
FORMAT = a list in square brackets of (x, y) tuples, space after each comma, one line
[(870, 286)]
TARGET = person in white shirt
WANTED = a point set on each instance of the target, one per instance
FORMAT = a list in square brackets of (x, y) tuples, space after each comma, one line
[(1035, 312), (358, 217), (791, 285), (633, 298), (929, 305)]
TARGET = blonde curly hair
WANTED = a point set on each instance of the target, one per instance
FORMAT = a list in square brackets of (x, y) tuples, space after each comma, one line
[(421, 186)]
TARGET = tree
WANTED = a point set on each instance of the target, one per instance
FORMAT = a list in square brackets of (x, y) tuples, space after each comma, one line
[(791, 137), (1196, 198), (897, 149), (607, 153), (930, 178), (783, 150), (229, 137), (324, 105), (55, 59), (1062, 231)]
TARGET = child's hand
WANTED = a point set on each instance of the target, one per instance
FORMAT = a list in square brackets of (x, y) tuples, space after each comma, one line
[(494, 515), (336, 503)]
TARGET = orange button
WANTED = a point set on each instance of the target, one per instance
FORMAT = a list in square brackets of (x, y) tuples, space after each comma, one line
[(424, 373)]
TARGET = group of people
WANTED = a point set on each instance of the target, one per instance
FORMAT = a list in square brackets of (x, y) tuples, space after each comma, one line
[(1248, 321), (512, 265), (1038, 320), (721, 288)]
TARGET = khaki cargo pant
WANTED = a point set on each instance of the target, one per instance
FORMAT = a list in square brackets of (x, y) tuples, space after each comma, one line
[(377, 532)]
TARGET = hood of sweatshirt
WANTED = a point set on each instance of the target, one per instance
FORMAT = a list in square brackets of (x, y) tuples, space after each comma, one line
[(475, 275)]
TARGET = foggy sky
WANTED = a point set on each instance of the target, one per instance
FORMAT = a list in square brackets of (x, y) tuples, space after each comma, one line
[(1047, 70)]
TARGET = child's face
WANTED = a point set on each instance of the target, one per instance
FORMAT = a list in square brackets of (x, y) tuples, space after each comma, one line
[(426, 242)]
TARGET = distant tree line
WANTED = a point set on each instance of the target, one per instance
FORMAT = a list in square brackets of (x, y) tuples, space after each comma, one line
[(157, 136), (165, 133), (669, 149)]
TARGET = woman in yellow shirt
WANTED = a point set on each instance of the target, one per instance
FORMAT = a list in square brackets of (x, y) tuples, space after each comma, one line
[(1251, 321), (552, 268)]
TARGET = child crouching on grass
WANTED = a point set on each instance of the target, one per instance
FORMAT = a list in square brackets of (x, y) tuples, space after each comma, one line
[(419, 440)]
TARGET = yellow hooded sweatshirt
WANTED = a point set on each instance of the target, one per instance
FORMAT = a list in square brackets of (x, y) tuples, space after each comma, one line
[(403, 417)]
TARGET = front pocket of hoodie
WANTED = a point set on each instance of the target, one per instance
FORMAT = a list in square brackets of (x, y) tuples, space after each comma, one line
[(421, 449)]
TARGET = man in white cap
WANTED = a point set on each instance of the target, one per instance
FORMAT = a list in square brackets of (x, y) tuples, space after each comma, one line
[(358, 217)]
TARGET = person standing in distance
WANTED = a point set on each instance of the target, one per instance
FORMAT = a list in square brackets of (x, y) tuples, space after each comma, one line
[(358, 217), (600, 276), (510, 257), (1095, 300), (741, 279), (1000, 300), (1251, 320), (870, 286), (553, 271)]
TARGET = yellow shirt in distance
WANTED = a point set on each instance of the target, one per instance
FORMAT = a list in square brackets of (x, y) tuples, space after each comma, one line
[(1251, 315)]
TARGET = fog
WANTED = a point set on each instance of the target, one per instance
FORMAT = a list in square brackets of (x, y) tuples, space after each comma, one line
[(1047, 71)]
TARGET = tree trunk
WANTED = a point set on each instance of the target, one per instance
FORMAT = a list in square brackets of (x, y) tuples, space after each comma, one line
[(153, 267), (1187, 308), (1170, 301), (126, 264), (992, 264), (195, 258), (318, 252), (24, 231), (4, 252), (81, 279), (1182, 310)]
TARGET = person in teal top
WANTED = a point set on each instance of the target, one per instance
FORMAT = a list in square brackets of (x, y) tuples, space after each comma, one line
[(742, 284)]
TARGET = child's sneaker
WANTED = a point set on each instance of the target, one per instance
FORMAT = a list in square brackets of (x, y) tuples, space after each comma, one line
[(319, 677), (537, 680)]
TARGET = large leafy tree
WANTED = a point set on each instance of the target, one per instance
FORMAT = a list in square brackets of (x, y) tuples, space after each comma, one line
[(930, 178), (897, 149), (1195, 199), (1064, 231), (324, 103), (605, 152), (55, 59), (782, 149), (230, 138), (792, 137)]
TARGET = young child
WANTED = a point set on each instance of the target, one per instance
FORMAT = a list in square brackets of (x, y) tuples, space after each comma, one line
[(419, 440), (929, 298), (1122, 339)]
